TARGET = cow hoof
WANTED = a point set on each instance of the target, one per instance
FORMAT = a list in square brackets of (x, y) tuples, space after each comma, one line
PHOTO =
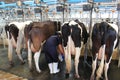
[(77, 76), (67, 75), (39, 71), (31, 69), (23, 62), (11, 64), (92, 78), (106, 78)]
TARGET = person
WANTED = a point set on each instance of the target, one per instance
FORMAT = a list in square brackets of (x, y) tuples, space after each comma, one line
[(52, 48)]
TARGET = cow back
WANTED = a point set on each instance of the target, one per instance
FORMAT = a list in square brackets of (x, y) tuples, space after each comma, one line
[(38, 32), (101, 32), (85, 34), (13, 30)]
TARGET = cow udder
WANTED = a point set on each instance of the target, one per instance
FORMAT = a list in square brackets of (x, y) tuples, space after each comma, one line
[(71, 45)]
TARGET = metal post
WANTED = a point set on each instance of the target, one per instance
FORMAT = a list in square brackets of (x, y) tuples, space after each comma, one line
[(23, 14), (91, 11), (119, 36), (87, 46), (63, 10), (41, 10)]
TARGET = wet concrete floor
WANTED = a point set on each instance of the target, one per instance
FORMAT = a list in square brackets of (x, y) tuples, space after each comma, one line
[(23, 70)]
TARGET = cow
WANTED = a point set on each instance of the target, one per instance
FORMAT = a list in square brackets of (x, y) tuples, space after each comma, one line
[(36, 34), (104, 40), (74, 35), (15, 36)]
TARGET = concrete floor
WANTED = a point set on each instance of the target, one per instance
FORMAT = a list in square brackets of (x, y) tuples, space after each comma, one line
[(23, 70), (8, 76)]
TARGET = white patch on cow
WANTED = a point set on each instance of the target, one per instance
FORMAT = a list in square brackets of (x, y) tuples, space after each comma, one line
[(94, 67), (68, 50), (100, 69), (21, 25), (29, 55), (65, 23), (72, 23), (115, 42), (36, 59), (10, 48), (114, 26), (106, 68), (80, 29)]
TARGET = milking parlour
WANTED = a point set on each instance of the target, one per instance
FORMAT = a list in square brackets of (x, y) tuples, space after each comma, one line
[(60, 40)]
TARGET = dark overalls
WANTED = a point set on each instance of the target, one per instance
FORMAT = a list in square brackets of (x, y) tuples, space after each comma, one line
[(50, 48)]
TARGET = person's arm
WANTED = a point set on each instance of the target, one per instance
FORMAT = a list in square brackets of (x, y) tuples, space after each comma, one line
[(60, 49), (61, 52)]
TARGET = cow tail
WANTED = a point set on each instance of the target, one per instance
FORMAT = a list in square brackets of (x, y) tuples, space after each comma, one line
[(35, 38), (117, 42), (6, 29)]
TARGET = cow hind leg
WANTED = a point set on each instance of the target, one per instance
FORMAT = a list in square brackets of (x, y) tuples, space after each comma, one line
[(106, 66), (68, 65), (68, 62), (20, 57), (10, 50), (109, 51), (100, 69), (93, 67), (77, 56), (18, 46), (106, 69), (29, 55), (36, 59), (119, 62)]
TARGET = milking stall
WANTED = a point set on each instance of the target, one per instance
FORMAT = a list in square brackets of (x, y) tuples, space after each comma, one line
[(87, 47)]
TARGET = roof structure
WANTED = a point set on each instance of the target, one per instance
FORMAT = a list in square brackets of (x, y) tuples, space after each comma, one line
[(56, 6), (12, 3)]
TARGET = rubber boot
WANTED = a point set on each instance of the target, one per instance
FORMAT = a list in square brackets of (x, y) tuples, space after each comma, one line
[(50, 65), (55, 68)]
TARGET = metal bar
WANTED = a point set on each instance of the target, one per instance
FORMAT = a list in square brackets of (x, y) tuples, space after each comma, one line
[(119, 37)]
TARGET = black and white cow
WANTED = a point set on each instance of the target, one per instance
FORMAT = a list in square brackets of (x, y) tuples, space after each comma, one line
[(104, 40), (15, 36), (74, 37)]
